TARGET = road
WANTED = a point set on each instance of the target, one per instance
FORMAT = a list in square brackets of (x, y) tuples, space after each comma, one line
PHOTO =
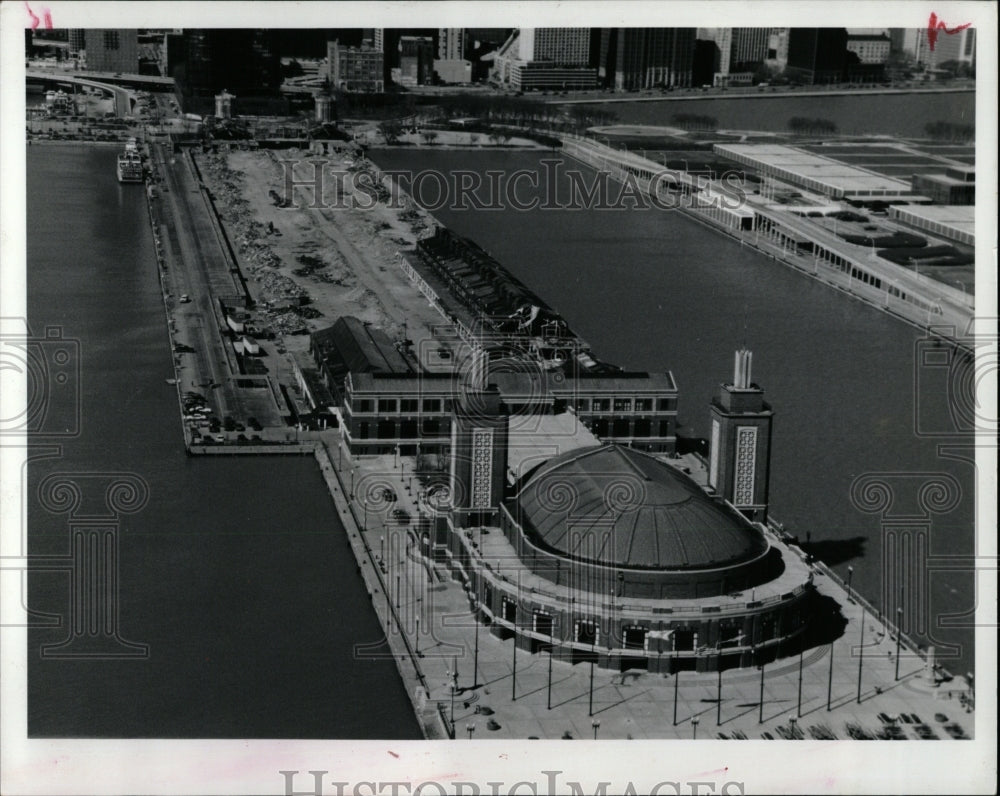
[(199, 269)]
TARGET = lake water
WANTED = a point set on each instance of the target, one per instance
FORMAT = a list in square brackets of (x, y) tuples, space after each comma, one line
[(236, 573), (860, 114)]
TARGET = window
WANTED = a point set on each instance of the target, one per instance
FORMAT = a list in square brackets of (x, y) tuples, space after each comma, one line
[(643, 428), (601, 404), (408, 429), (634, 637), (509, 610), (643, 404), (386, 405), (111, 40), (432, 404), (599, 427), (431, 428), (620, 428), (408, 405), (542, 623), (583, 405), (623, 404), (665, 404), (665, 428), (362, 431), (364, 405), (586, 632), (386, 429)]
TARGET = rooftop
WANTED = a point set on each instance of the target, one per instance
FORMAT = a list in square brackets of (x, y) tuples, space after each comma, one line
[(544, 437), (617, 506), (825, 174)]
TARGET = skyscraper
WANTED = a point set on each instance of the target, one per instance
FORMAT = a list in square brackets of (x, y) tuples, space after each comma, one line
[(112, 50), (817, 55), (451, 43), (632, 58), (242, 61), (562, 46)]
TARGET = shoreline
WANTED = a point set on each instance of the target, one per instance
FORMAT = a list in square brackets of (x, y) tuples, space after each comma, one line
[(738, 93)]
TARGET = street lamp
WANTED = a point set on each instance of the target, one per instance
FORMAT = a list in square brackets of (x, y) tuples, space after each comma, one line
[(596, 724), (850, 574), (353, 469), (694, 727), (899, 635), (470, 728), (791, 726)]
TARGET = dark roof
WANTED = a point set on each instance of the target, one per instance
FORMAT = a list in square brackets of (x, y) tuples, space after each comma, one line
[(352, 346), (619, 507)]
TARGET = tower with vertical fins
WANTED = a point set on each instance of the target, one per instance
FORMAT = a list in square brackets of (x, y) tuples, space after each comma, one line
[(740, 454)]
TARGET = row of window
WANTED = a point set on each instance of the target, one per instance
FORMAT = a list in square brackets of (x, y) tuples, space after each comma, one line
[(407, 429), (404, 405), (625, 404), (616, 429), (438, 405)]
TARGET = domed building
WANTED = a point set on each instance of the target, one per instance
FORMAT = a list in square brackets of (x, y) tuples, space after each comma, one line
[(609, 554)]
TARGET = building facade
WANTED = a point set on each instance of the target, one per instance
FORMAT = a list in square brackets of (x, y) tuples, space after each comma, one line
[(112, 50), (817, 55), (416, 60), (870, 48), (355, 69), (562, 46), (241, 61), (637, 58)]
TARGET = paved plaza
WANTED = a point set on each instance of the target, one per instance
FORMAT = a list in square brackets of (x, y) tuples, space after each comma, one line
[(477, 683)]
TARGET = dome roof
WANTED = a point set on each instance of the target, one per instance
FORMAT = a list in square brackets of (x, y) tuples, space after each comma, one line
[(660, 518)]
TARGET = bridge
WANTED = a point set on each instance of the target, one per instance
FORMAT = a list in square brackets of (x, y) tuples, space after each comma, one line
[(122, 97)]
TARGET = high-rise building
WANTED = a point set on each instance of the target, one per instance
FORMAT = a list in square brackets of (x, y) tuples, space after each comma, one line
[(632, 58), (112, 50), (354, 69), (77, 39), (451, 44), (959, 47), (817, 55), (777, 48), (871, 48), (562, 46), (242, 61), (416, 60)]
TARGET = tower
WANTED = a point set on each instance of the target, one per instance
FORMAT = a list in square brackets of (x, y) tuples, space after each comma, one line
[(478, 448), (740, 457)]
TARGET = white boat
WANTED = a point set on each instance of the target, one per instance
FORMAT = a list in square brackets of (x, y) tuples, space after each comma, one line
[(129, 167)]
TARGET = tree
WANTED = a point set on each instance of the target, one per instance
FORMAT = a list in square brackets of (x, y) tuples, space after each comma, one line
[(390, 130), (429, 136)]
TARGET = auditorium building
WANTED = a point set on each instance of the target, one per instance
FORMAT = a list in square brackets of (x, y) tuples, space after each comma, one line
[(598, 551)]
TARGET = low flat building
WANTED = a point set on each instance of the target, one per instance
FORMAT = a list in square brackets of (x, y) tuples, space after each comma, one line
[(453, 70), (957, 223), (956, 186), (815, 172)]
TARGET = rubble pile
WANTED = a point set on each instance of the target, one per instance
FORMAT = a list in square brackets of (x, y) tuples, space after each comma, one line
[(249, 237)]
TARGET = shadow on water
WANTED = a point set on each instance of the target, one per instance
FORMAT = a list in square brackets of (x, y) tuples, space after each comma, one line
[(836, 551)]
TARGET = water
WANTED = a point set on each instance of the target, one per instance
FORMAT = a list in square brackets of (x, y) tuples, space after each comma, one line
[(654, 290), (859, 114), (236, 573)]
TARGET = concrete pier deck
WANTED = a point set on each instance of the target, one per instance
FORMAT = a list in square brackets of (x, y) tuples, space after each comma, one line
[(503, 693)]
